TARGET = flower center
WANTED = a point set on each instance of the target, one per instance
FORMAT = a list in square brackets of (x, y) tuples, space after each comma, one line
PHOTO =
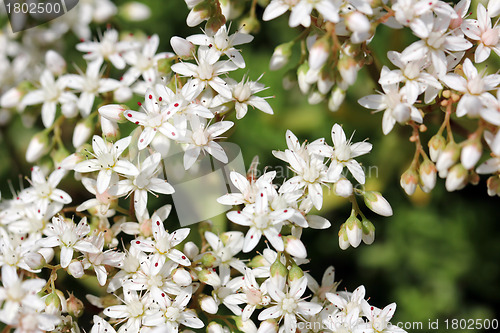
[(289, 305)]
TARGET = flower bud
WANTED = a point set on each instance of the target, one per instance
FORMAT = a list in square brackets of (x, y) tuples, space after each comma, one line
[(343, 239), (348, 69), (249, 25), (75, 269), (191, 250), (377, 203), (319, 52), (135, 11), (38, 146), (47, 253), (209, 276), (122, 94), (493, 8), (55, 63), (336, 99), (302, 77), (289, 79), (208, 305), (357, 22), (354, 230), (113, 112), (269, 326), (436, 145), (245, 326), (447, 158), (471, 153), (198, 14), (34, 260), (278, 272), (295, 247), (52, 304), (343, 188), (257, 261), (69, 108), (428, 175), (11, 98), (295, 273), (456, 178), (315, 97), (368, 232), (325, 82), (109, 129), (214, 23), (181, 277), (75, 306), (209, 259), (214, 327), (182, 47), (409, 181), (280, 56), (83, 131), (493, 184)]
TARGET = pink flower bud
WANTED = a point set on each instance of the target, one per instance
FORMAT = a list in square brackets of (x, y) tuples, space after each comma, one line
[(55, 63), (295, 247), (428, 174), (113, 112), (409, 181)]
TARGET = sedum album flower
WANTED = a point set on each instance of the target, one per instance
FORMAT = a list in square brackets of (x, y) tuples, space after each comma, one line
[(107, 161), (131, 313), (68, 237), (289, 304)]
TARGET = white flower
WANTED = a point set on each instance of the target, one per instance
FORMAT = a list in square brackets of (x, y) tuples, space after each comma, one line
[(90, 84), (101, 259), (108, 48), (491, 165), (344, 154), (201, 138), (142, 183), (261, 221), (289, 304), (206, 72), (301, 12), (144, 63), (69, 237), (132, 312), (248, 188), (101, 326), (481, 30), (51, 93), (379, 319), (473, 87), (106, 161), (226, 247), (223, 43)]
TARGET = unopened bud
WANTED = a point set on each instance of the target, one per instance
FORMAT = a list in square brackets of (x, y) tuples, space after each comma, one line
[(456, 178), (257, 261), (75, 307), (55, 63), (493, 8), (377, 203), (249, 25), (336, 99), (343, 188), (436, 145), (181, 277), (357, 22), (182, 47), (354, 230), (428, 175), (343, 239), (11, 98), (280, 56), (214, 23), (199, 13), (209, 276), (409, 181), (82, 132), (295, 247), (191, 250), (295, 273), (113, 112), (368, 232), (109, 129), (34, 260), (315, 97), (447, 158), (245, 325), (69, 108), (135, 11), (75, 269), (493, 184), (269, 326), (471, 153), (348, 69), (289, 79), (325, 82), (214, 327), (302, 71), (38, 146), (122, 94), (319, 52), (402, 113), (208, 305)]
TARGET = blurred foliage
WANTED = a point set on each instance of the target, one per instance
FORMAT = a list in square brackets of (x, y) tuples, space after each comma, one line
[(437, 257)]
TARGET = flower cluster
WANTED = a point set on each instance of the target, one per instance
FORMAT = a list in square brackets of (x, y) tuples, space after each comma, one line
[(151, 276)]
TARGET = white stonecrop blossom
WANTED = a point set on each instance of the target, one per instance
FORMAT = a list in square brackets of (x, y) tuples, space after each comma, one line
[(107, 161)]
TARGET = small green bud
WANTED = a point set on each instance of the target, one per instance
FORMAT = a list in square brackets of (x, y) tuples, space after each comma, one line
[(295, 273), (209, 260), (277, 268), (368, 232)]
